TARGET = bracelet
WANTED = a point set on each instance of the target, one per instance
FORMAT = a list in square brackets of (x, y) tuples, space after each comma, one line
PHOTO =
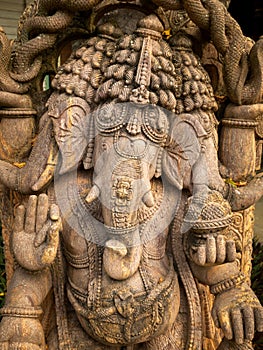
[(227, 284), (240, 123), (76, 261), (18, 113), (28, 312)]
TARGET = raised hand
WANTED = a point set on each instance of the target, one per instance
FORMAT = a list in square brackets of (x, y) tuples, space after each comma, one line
[(36, 233)]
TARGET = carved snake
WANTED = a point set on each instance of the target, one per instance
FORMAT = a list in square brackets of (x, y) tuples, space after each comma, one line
[(210, 15), (43, 28), (243, 66), (6, 82), (234, 46)]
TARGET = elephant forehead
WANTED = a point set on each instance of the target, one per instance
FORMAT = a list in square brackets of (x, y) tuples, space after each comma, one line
[(132, 146), (135, 147)]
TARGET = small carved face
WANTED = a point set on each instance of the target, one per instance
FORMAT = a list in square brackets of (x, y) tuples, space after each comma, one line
[(124, 189), (155, 123), (156, 120)]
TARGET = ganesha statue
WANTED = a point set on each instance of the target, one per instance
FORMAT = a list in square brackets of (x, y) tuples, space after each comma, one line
[(128, 184)]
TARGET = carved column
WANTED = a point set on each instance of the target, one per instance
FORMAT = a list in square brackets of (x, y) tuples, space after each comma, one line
[(238, 143), (238, 153)]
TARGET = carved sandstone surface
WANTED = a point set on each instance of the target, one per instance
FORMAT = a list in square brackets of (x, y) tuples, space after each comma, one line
[(124, 229)]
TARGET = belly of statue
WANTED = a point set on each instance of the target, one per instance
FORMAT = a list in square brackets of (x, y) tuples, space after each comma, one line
[(130, 311)]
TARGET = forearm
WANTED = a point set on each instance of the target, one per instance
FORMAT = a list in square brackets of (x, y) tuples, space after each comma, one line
[(28, 289), (211, 275)]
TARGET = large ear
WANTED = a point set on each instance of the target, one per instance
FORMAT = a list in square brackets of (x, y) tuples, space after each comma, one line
[(183, 149), (73, 124)]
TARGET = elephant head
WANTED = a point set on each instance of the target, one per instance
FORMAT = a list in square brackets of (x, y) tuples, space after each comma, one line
[(123, 143)]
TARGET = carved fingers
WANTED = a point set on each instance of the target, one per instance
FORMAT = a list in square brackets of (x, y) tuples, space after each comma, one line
[(36, 233), (30, 215), (53, 236), (41, 214), (240, 324), (211, 250), (239, 314)]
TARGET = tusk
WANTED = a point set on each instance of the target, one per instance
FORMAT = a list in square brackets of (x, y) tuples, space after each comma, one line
[(148, 199), (93, 194), (49, 171)]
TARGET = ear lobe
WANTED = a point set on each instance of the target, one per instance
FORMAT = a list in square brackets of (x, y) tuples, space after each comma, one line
[(72, 151), (183, 149), (73, 132)]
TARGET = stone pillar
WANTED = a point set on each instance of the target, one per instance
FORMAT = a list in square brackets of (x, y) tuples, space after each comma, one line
[(238, 153)]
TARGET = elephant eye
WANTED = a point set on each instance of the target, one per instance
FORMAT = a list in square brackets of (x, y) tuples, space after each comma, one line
[(104, 146)]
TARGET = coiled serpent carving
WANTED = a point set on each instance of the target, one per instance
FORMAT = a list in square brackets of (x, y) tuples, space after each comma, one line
[(43, 19)]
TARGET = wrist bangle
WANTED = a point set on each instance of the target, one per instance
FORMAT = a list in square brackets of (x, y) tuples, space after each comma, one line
[(227, 284), (27, 312)]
